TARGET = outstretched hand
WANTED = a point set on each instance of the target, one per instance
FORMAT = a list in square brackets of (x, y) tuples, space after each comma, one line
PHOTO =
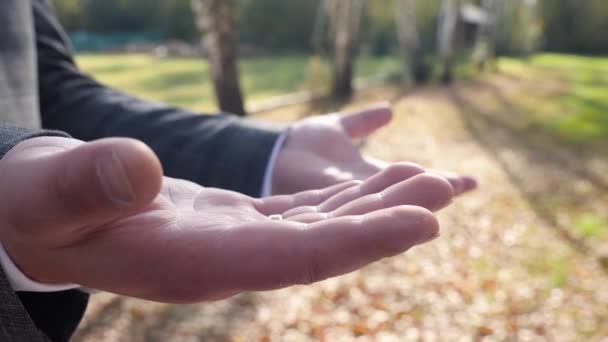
[(101, 215), (320, 151)]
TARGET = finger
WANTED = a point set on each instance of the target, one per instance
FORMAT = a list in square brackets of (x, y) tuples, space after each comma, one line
[(309, 217), (282, 203), (376, 163), (288, 253), (424, 190), (309, 209), (364, 122), (455, 180), (460, 183), (63, 185), (391, 175), (470, 183)]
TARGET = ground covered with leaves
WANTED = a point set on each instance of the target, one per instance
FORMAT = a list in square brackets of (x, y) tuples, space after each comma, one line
[(522, 258)]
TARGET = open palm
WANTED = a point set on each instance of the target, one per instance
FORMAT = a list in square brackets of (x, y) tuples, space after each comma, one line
[(320, 151), (195, 243), (185, 243)]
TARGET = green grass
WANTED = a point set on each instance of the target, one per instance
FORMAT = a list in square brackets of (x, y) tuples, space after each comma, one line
[(555, 265), (186, 82), (586, 106), (581, 114), (589, 226)]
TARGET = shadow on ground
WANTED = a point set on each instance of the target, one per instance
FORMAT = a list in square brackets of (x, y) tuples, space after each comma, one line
[(561, 182), (127, 319)]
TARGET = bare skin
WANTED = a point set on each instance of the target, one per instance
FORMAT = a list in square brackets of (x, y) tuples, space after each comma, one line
[(101, 215), (320, 152)]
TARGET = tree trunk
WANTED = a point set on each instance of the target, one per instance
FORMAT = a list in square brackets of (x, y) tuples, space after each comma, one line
[(215, 18), (345, 20), (448, 22), (317, 40), (485, 44), (533, 28), (416, 69)]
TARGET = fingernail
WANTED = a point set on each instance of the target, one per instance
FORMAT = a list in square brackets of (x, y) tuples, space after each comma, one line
[(114, 180), (431, 238)]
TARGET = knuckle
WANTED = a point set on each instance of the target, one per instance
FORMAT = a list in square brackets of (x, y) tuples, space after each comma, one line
[(69, 189)]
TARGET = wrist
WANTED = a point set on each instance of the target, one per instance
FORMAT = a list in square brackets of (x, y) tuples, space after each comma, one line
[(271, 185), (20, 280)]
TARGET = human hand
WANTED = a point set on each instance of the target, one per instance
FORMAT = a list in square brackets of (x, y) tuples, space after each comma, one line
[(319, 152), (101, 215)]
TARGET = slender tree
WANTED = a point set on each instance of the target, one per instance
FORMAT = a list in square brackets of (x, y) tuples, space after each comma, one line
[(216, 20), (416, 69), (487, 34), (344, 21), (446, 34), (317, 38), (318, 44), (533, 27)]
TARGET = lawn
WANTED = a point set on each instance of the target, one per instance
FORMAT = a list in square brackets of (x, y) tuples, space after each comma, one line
[(186, 82), (580, 115)]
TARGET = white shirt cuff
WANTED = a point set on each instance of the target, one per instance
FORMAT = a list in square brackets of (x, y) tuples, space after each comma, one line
[(267, 183), (20, 282)]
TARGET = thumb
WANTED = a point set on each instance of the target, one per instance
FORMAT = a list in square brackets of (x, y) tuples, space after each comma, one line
[(364, 122), (55, 185)]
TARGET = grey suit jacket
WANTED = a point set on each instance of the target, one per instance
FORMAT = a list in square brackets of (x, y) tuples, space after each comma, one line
[(41, 87)]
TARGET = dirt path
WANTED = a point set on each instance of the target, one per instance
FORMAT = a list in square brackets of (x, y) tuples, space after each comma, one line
[(508, 265)]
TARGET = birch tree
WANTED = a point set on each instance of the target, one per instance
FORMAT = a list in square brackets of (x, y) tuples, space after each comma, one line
[(446, 34), (216, 20), (416, 69), (486, 34), (344, 23)]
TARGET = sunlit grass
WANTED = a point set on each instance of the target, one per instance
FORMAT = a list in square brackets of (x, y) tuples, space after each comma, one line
[(556, 267), (186, 82), (585, 114), (590, 226), (581, 114)]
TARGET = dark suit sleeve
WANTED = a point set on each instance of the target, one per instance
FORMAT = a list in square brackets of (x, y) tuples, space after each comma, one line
[(213, 150), (34, 316)]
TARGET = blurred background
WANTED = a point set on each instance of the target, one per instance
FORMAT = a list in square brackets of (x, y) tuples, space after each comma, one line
[(514, 92)]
